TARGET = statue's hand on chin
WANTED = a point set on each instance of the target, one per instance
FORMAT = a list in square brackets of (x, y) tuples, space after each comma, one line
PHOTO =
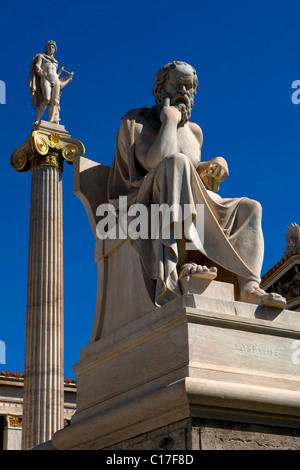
[(169, 113)]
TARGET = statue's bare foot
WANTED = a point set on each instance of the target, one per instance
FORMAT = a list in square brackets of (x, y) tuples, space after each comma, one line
[(197, 270), (258, 296)]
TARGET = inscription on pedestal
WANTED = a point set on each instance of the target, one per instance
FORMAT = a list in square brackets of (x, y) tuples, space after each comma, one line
[(256, 349)]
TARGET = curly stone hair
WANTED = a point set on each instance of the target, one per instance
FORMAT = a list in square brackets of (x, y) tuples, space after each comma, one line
[(162, 76)]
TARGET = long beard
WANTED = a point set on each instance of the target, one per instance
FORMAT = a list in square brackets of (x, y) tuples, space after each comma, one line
[(185, 110), (184, 104)]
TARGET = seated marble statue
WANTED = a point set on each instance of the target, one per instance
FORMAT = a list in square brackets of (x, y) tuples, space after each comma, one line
[(158, 161)]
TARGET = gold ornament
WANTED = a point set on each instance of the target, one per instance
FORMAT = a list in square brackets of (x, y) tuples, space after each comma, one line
[(70, 151), (42, 146)]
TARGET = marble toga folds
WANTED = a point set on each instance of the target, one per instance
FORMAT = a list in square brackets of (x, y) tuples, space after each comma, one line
[(232, 227)]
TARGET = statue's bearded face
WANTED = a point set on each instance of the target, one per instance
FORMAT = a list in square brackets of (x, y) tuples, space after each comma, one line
[(184, 104), (179, 87)]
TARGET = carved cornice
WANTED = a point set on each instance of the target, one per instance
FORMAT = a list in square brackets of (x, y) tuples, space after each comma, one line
[(46, 149)]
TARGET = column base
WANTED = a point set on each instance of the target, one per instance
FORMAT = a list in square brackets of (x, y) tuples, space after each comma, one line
[(50, 127)]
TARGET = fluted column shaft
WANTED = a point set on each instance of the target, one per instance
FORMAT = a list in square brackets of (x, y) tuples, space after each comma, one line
[(44, 381), (44, 153)]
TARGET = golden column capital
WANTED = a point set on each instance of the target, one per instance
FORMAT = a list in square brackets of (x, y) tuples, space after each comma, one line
[(12, 422), (44, 148)]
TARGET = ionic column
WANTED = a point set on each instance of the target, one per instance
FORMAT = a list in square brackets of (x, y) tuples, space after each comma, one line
[(44, 154), (12, 432)]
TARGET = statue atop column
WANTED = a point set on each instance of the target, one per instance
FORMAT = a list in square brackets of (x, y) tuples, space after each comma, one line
[(46, 84), (44, 152)]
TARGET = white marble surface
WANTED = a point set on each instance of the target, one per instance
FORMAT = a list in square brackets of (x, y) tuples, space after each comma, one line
[(197, 356), (43, 385)]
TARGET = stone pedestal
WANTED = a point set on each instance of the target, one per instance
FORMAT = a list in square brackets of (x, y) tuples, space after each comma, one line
[(43, 154), (196, 365), (202, 372), (209, 434)]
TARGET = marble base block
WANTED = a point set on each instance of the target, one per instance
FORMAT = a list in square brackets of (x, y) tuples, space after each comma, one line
[(50, 127), (197, 358), (214, 289), (206, 434)]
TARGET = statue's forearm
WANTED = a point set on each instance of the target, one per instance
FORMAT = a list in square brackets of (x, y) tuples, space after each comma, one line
[(38, 64), (165, 144)]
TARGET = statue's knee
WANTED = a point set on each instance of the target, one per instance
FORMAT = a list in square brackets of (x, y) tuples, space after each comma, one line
[(256, 207), (177, 159), (177, 156), (252, 207)]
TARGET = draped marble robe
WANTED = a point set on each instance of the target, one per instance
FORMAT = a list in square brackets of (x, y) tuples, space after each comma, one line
[(232, 227)]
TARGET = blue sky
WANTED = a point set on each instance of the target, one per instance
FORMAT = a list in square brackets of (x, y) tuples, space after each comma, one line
[(247, 55)]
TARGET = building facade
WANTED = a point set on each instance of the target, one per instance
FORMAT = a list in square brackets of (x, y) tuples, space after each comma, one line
[(284, 276), (11, 408)]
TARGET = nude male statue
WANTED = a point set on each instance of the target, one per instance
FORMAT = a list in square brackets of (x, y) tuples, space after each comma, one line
[(158, 161), (46, 84)]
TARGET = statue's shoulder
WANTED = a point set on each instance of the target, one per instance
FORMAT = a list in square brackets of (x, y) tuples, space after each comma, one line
[(196, 130), (35, 59), (133, 114)]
